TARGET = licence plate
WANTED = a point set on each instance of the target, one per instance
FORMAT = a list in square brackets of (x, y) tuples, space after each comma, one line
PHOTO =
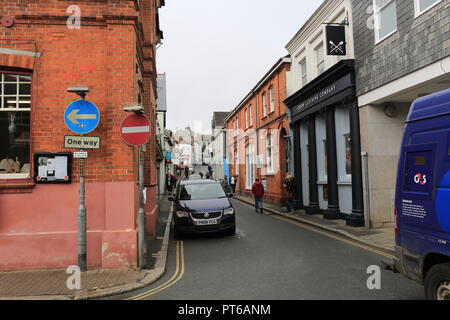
[(207, 222)]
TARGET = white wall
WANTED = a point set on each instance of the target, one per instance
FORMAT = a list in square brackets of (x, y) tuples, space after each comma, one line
[(302, 45)]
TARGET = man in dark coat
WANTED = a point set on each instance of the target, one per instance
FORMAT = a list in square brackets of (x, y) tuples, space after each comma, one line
[(258, 192)]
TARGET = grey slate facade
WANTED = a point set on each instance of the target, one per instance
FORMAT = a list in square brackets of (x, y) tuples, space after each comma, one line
[(417, 43)]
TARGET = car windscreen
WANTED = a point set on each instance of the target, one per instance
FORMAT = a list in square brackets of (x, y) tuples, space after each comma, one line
[(201, 191)]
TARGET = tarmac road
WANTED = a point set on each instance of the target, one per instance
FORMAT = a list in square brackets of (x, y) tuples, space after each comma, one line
[(272, 258)]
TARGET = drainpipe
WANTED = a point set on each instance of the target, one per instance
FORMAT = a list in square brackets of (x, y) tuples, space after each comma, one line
[(365, 169)]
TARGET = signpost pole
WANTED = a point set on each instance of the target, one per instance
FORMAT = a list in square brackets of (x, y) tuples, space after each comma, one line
[(141, 213), (82, 257)]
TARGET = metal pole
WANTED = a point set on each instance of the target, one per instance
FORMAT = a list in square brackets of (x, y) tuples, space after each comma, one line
[(141, 214), (82, 223)]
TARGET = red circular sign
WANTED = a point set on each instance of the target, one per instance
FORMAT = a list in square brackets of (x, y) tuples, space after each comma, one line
[(135, 129)]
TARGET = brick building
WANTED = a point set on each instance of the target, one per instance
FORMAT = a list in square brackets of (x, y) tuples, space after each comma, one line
[(258, 135), (405, 55), (42, 53)]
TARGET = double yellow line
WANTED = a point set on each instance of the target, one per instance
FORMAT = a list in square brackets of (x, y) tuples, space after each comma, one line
[(179, 272), (330, 235)]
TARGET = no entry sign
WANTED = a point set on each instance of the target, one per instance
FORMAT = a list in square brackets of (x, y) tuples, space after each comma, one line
[(135, 130)]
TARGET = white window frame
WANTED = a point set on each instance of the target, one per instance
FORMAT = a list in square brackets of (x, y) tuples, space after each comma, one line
[(320, 48), (264, 100), (236, 162), (269, 154), (376, 16), (304, 76), (17, 97), (271, 99), (249, 166), (417, 7), (246, 118), (250, 115)]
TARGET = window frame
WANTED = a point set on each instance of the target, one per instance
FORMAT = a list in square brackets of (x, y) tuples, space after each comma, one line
[(303, 76), (269, 159), (271, 100), (264, 104), (377, 24), (19, 178), (417, 11), (320, 48), (250, 115)]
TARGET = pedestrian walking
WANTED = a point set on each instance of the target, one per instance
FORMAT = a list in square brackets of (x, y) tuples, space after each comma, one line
[(233, 184), (289, 184), (174, 181), (186, 171), (258, 193), (169, 181)]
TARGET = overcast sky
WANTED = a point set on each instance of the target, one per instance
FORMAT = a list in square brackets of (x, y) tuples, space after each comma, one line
[(215, 51)]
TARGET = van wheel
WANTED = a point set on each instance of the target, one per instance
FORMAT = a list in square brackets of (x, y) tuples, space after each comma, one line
[(437, 282)]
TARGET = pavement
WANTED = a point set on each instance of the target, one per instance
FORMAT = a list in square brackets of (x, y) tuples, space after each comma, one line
[(50, 284), (382, 239)]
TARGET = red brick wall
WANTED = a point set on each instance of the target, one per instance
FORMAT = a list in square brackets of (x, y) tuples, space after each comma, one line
[(102, 55), (274, 122)]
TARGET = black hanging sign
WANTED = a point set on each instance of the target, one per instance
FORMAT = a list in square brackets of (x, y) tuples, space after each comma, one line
[(336, 44)]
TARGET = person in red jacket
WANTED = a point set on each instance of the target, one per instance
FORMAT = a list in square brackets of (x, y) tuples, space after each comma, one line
[(258, 192)]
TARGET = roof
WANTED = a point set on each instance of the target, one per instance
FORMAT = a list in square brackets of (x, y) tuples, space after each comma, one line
[(219, 118), (281, 62), (433, 105)]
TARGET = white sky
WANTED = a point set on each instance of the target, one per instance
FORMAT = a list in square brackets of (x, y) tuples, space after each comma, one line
[(215, 51)]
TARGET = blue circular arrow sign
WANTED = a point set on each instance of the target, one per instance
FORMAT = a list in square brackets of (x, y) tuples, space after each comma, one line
[(82, 116)]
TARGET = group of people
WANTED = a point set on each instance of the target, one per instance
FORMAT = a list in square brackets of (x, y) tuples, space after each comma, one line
[(258, 192)]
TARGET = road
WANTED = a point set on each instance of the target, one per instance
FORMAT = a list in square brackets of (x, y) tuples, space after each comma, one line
[(272, 258)]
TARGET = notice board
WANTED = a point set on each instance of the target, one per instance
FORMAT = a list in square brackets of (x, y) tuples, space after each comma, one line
[(53, 167)]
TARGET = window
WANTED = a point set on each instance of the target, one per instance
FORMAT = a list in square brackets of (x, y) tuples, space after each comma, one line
[(236, 162), (264, 98), (348, 154), (424, 5), (320, 59), (249, 166), (385, 18), (250, 115), (246, 118), (304, 72), (15, 108), (269, 153), (272, 99)]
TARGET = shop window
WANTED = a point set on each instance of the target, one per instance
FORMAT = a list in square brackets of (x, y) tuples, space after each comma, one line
[(424, 5), (15, 108), (272, 99), (348, 154), (385, 18), (320, 59)]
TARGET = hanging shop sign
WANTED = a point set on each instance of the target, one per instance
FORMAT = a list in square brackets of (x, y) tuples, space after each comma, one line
[(336, 44)]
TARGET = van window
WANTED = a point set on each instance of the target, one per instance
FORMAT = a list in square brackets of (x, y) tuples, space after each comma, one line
[(419, 171)]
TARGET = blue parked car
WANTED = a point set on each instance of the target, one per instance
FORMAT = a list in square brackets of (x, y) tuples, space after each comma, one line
[(202, 206), (422, 204)]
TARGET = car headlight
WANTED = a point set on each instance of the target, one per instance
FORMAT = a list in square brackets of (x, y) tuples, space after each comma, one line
[(228, 211), (182, 214)]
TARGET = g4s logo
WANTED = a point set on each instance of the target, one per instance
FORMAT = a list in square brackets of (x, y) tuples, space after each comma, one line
[(420, 179)]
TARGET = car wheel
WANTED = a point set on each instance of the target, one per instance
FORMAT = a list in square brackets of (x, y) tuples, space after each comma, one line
[(231, 232), (437, 282)]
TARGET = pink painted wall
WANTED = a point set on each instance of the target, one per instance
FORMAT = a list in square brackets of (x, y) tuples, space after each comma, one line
[(39, 230)]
